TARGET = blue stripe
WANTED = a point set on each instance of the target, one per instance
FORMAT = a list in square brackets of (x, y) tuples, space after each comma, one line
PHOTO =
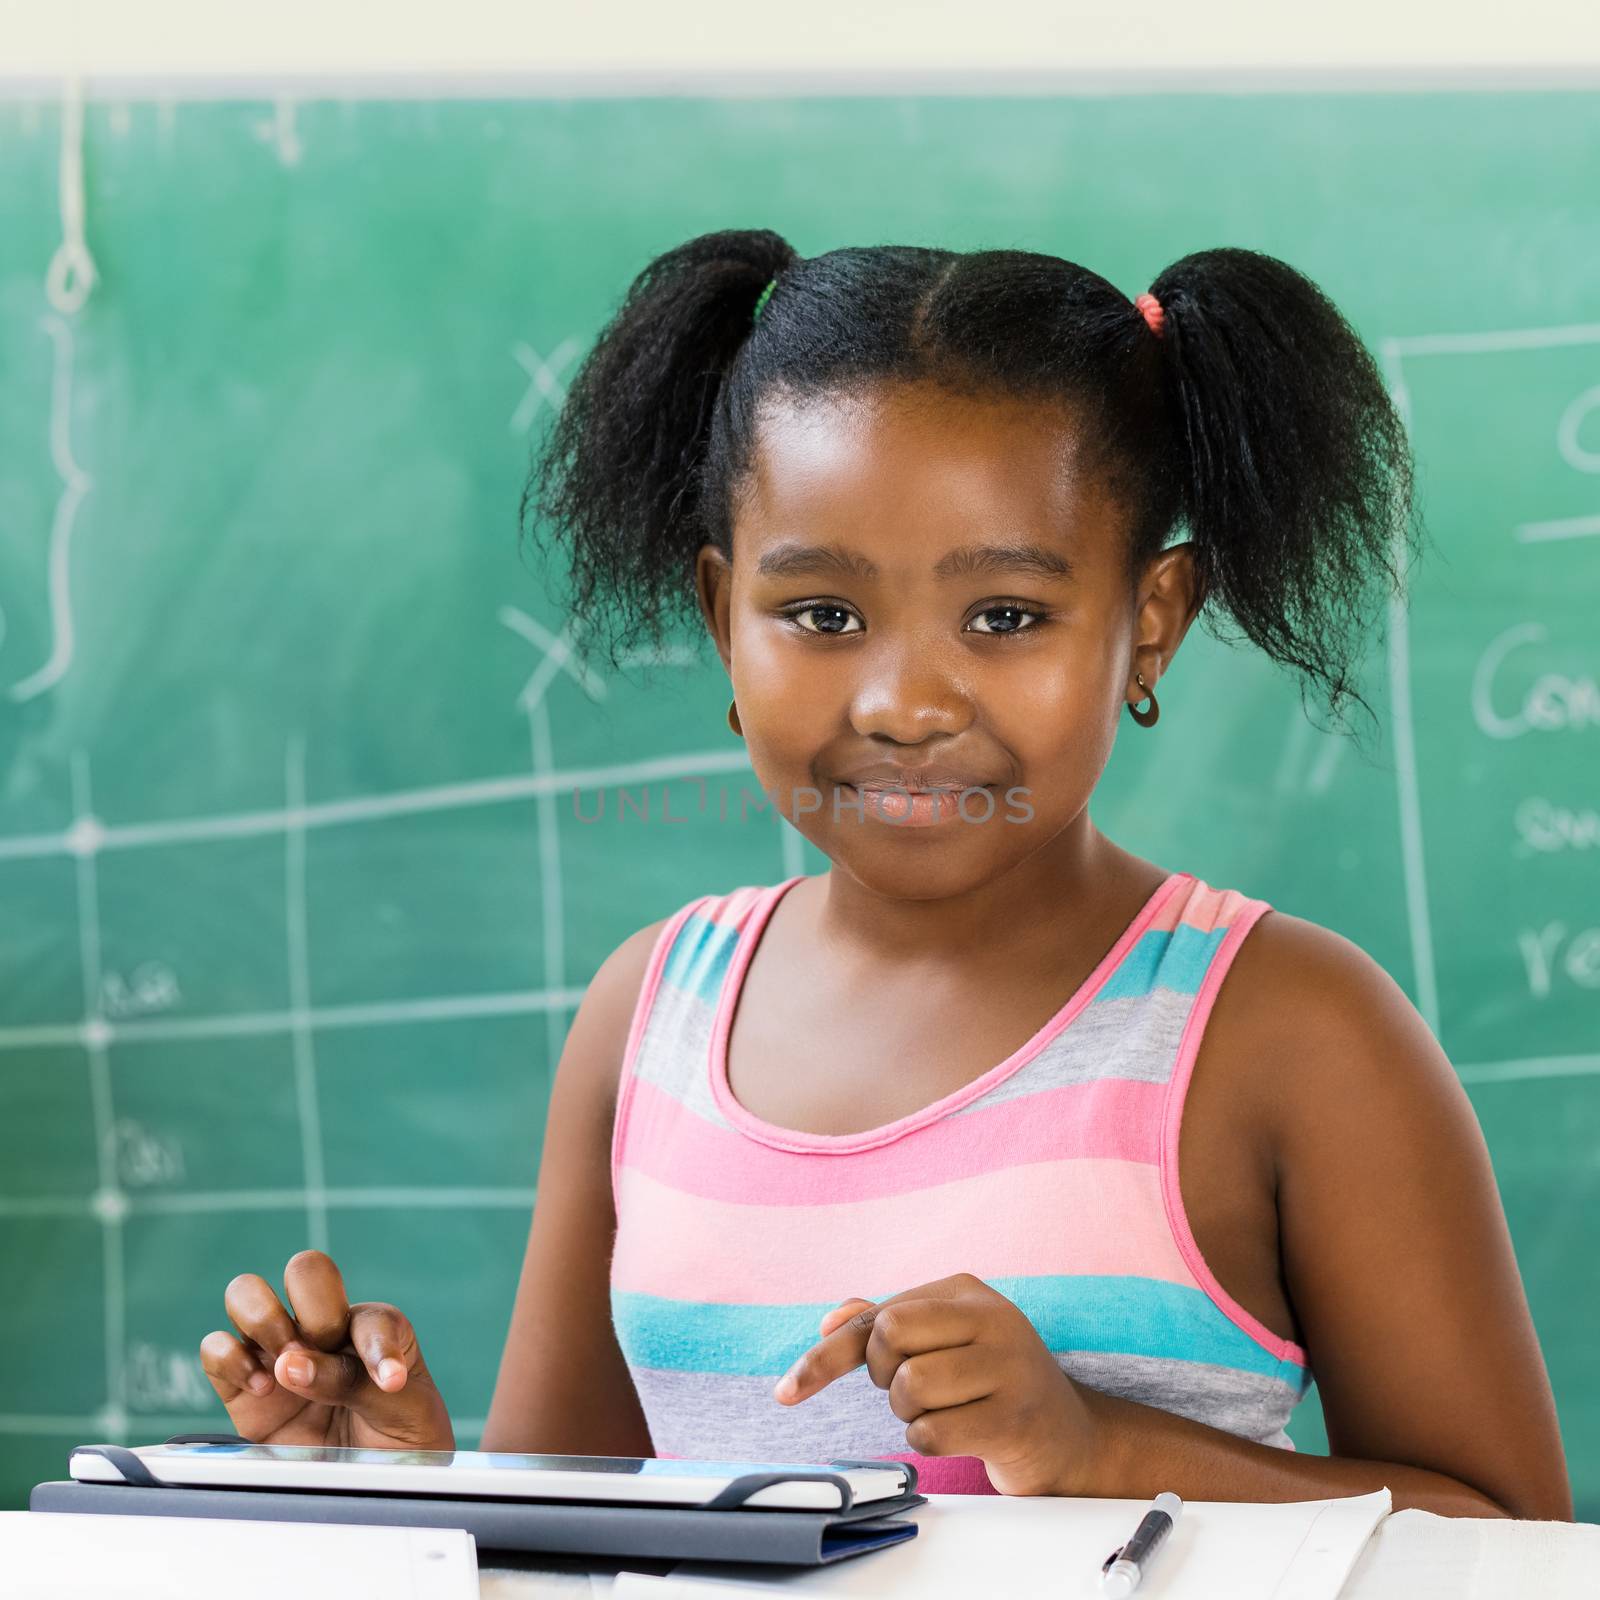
[(1175, 960), (1120, 1315), (1178, 960), (698, 960)]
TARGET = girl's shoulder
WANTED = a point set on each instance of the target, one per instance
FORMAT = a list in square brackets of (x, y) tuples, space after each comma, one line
[(1320, 1037), (1309, 986)]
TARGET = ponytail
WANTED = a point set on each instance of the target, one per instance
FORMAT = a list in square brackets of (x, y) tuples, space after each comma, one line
[(619, 480), (1293, 470)]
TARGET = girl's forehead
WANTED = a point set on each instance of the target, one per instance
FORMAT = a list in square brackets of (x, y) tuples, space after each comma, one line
[(921, 456)]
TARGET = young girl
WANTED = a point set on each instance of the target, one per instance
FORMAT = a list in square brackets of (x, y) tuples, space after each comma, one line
[(995, 1147)]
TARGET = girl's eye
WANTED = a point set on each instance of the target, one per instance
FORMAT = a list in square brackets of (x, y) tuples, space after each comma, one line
[(833, 614), (1010, 611)]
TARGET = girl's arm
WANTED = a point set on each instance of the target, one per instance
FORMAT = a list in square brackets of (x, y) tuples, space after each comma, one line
[(563, 1386), (1397, 1260)]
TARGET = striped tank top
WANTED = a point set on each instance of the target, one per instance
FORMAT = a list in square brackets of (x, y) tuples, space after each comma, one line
[(1053, 1177)]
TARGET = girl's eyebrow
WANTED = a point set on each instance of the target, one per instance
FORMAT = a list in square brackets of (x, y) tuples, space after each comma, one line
[(791, 559)]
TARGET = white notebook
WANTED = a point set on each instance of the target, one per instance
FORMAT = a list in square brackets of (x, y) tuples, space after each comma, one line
[(969, 1545), (55, 1556)]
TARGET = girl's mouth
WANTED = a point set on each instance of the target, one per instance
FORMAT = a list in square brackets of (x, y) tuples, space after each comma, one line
[(912, 808)]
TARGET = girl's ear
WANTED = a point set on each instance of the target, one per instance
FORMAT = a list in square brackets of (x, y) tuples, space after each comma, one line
[(1167, 600), (714, 588)]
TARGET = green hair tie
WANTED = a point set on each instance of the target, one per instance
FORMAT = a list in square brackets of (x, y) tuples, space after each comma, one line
[(755, 315)]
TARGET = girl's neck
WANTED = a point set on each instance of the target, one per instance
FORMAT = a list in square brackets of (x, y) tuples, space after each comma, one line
[(1081, 882)]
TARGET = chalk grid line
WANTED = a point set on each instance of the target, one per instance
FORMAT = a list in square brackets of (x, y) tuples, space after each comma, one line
[(370, 808), (107, 1204), (307, 1108)]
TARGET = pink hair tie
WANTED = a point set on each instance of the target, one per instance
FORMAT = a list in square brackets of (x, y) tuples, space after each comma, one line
[(1150, 309)]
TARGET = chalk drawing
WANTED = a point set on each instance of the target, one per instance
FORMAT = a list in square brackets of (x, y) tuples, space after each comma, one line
[(543, 385), (557, 657), (76, 484)]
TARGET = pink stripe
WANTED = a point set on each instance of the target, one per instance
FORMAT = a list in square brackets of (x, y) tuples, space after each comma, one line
[(849, 1143), (935, 1474), (947, 1474), (1092, 1217), (732, 910), (641, 1014), (1188, 1049), (1203, 907), (1116, 1119)]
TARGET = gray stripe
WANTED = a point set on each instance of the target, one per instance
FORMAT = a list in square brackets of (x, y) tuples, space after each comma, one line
[(675, 1052), (734, 1418), (1135, 1037), (1249, 1404)]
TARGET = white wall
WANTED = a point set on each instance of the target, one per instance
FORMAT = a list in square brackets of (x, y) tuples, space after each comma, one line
[(162, 38)]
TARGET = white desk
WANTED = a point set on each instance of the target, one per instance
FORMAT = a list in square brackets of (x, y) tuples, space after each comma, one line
[(1414, 1555)]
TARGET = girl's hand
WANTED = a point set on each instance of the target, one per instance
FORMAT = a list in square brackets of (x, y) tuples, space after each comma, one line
[(969, 1375), (330, 1374)]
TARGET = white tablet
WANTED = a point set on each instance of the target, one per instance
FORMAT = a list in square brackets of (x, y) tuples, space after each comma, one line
[(639, 1480)]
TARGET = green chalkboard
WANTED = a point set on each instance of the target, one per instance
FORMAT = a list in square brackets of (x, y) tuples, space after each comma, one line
[(294, 905)]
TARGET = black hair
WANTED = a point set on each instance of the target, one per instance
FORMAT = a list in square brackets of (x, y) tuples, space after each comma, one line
[(1256, 421)]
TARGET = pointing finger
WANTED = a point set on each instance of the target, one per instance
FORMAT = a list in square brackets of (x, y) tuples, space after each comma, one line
[(835, 1354), (903, 1327)]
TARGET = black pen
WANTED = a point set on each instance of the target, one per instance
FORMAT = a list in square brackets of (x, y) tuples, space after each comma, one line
[(1122, 1570)]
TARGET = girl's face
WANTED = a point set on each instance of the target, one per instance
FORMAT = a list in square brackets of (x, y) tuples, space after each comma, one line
[(929, 589)]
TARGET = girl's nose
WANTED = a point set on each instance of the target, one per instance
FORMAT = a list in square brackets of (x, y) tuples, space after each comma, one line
[(908, 691)]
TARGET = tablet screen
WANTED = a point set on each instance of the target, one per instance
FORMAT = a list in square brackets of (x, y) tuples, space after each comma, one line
[(499, 1474), (481, 1460)]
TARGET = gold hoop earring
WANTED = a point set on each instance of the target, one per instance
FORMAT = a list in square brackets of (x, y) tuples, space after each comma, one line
[(733, 718), (1147, 717)]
